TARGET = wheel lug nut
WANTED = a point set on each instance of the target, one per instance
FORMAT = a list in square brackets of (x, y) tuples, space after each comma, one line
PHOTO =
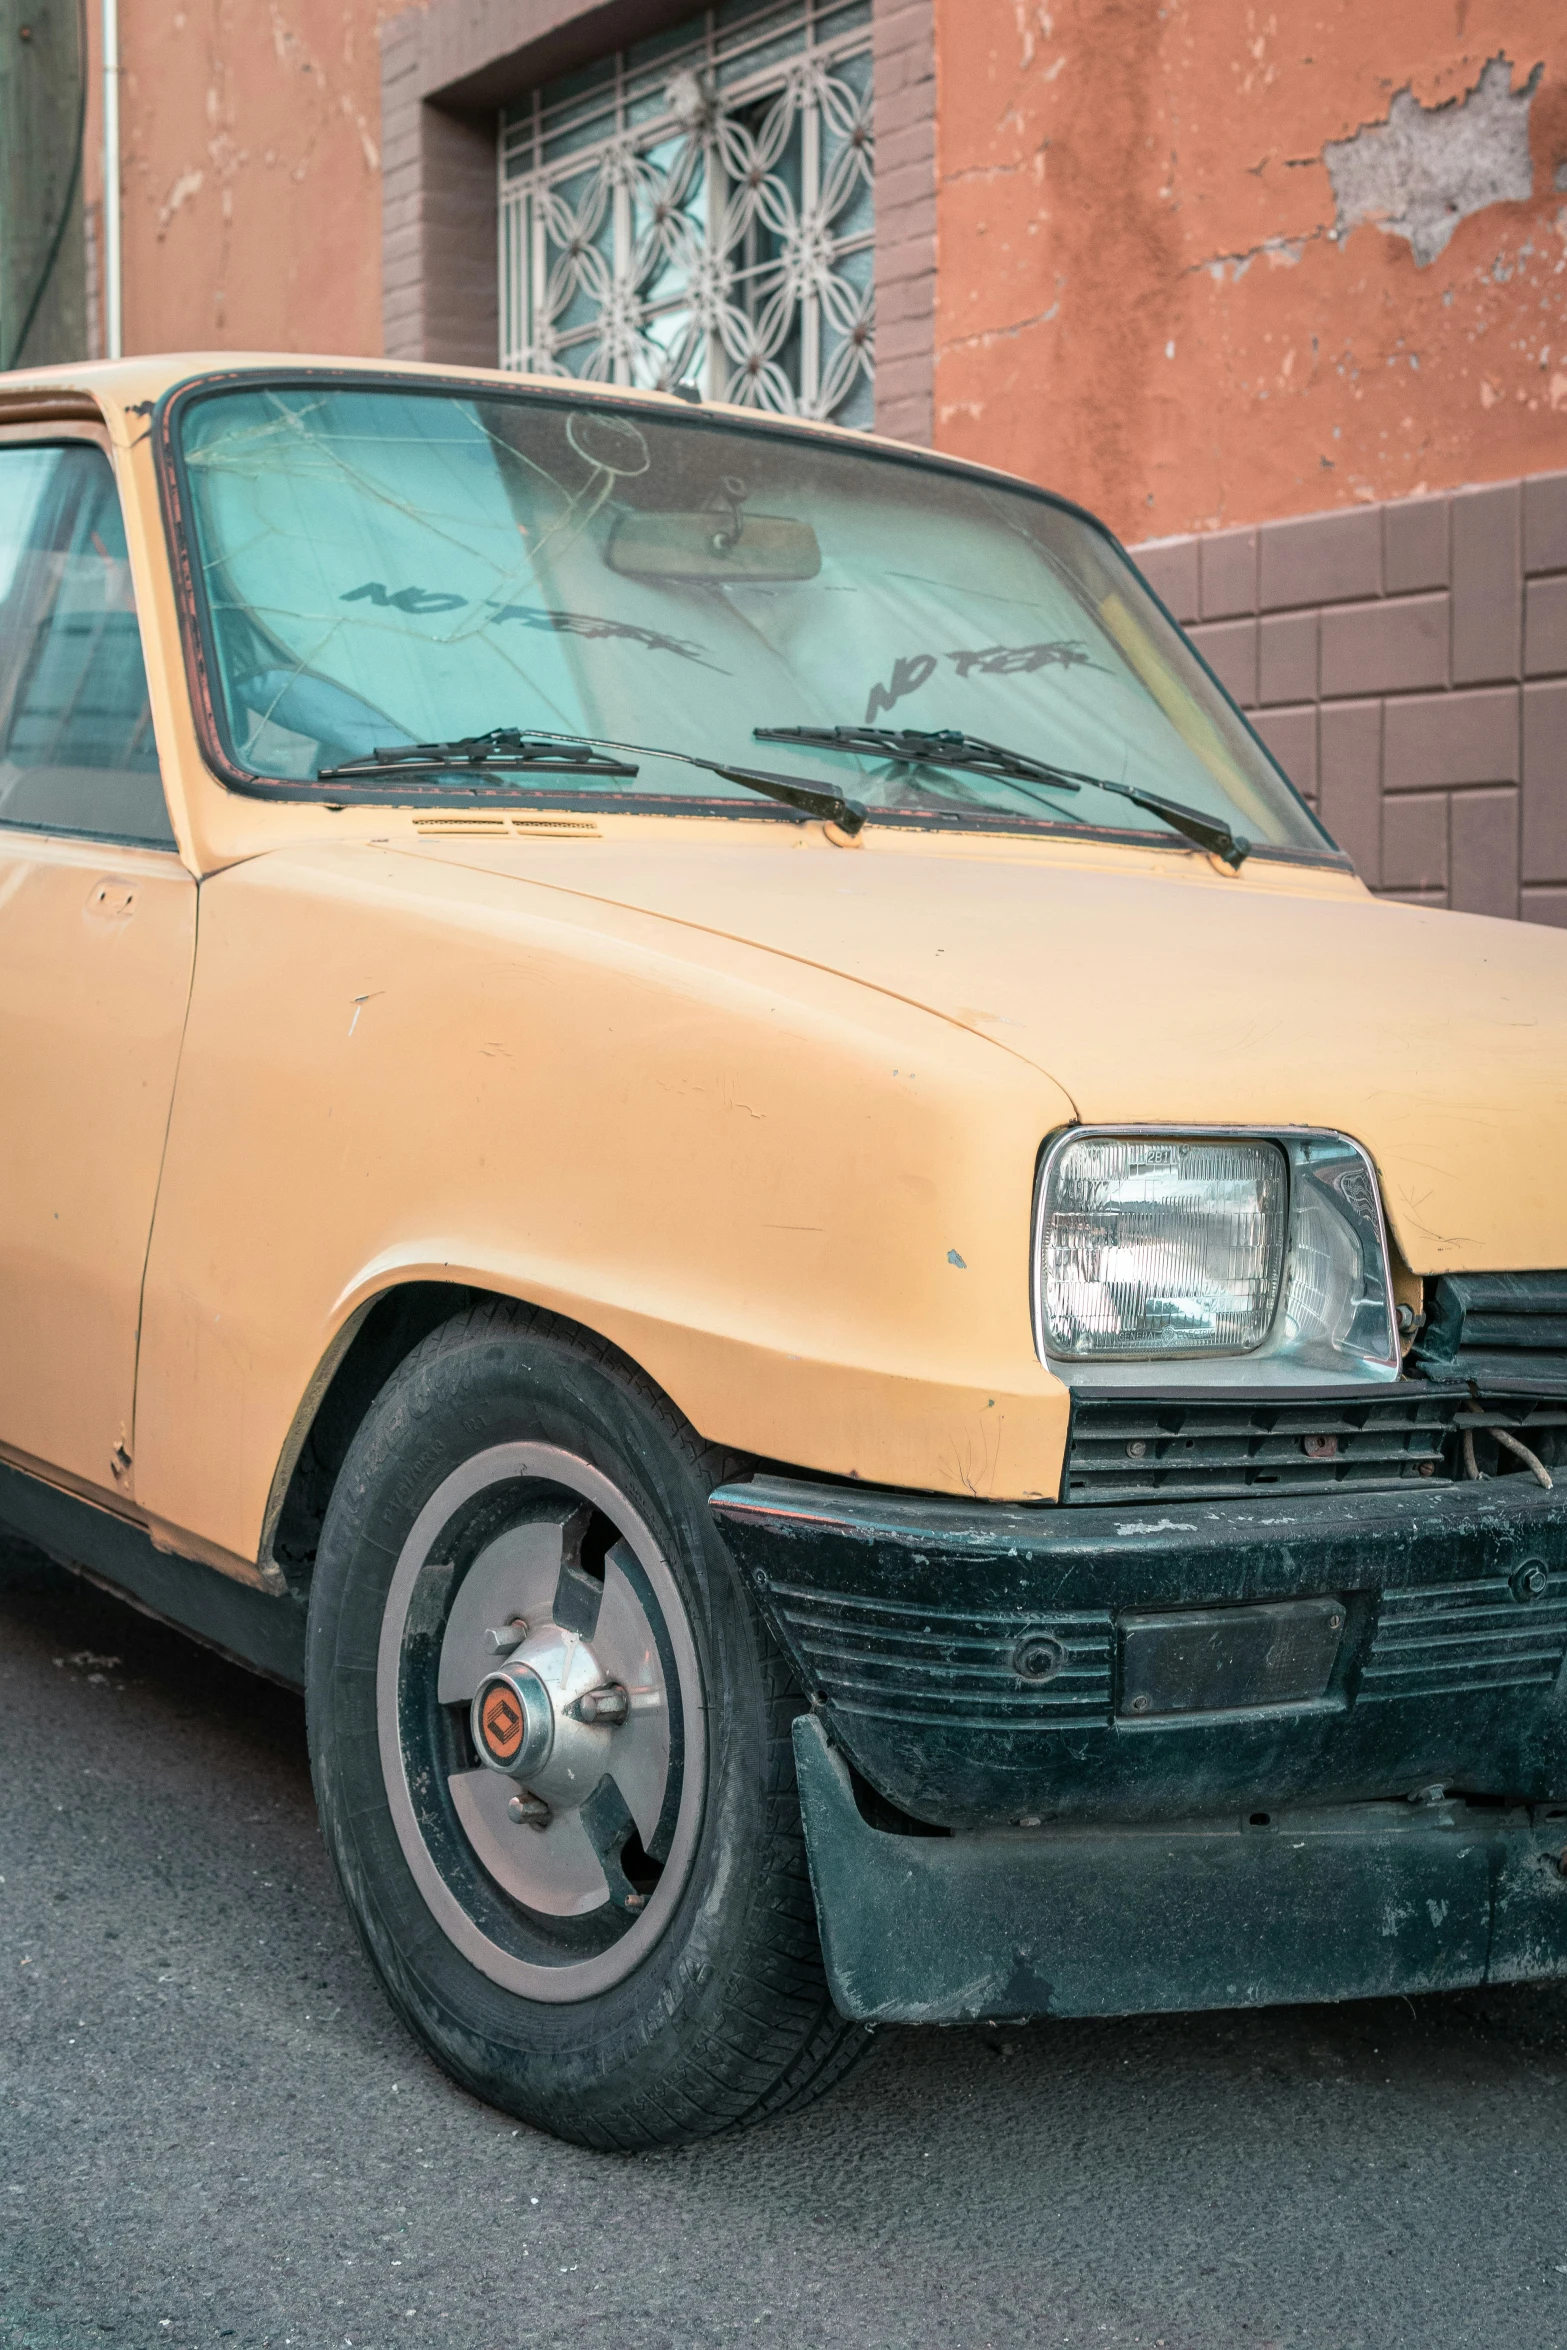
[(610, 1704), (529, 1811), (502, 1641)]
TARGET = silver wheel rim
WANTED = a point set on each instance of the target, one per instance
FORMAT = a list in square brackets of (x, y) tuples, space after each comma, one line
[(557, 1913)]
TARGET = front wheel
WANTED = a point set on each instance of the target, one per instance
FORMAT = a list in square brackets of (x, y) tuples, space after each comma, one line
[(550, 1738)]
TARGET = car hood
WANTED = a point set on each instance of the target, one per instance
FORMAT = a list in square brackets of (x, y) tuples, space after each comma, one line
[(1154, 990)]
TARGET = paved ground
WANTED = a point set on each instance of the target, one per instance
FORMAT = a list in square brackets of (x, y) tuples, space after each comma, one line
[(211, 2129)]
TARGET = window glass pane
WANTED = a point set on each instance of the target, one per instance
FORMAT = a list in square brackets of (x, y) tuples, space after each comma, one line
[(388, 567), (700, 208), (76, 745)]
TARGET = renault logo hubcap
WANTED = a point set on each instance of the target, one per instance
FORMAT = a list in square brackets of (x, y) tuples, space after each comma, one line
[(513, 1721)]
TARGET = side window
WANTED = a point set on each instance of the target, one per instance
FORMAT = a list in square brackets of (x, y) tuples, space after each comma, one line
[(76, 746)]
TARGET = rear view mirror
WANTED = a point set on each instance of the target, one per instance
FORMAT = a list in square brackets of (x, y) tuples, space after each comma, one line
[(718, 546)]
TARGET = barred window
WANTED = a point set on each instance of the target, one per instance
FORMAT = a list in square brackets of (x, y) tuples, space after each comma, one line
[(698, 209)]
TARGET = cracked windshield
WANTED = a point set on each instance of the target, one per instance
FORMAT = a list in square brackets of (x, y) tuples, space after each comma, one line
[(385, 569)]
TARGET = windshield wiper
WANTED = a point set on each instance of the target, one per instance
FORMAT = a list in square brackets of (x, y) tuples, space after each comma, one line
[(504, 750), (848, 815), (970, 754), (507, 750)]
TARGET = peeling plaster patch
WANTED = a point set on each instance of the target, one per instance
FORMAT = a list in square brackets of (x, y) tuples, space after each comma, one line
[(368, 147), (187, 185), (1278, 252), (1427, 168), (1034, 162)]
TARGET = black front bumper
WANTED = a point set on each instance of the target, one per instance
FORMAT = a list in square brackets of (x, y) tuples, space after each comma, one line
[(1096, 1760), (1430, 1651)]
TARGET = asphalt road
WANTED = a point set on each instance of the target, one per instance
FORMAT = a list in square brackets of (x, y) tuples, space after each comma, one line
[(213, 2131)]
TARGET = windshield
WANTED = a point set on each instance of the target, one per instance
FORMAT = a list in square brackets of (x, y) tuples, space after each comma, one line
[(387, 566)]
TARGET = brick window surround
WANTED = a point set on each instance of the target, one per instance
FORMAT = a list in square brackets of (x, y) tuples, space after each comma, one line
[(448, 68), (1407, 665)]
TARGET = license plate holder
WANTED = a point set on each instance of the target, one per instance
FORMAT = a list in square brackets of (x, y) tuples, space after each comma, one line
[(1229, 1659)]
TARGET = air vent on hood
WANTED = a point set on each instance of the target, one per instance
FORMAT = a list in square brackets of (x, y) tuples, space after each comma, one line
[(465, 826), (499, 827)]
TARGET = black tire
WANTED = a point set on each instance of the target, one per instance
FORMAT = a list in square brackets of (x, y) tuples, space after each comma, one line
[(725, 2016)]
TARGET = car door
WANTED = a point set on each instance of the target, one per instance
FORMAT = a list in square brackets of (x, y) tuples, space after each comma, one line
[(97, 936)]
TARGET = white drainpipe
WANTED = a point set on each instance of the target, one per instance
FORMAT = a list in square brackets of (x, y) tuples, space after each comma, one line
[(111, 178)]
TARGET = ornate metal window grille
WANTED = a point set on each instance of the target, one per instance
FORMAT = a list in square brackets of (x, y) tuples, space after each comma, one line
[(699, 209)]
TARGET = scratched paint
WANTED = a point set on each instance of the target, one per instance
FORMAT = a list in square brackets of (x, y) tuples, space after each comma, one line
[(1153, 295)]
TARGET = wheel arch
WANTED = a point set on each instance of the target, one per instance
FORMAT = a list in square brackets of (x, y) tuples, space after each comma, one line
[(381, 1332), (374, 1339)]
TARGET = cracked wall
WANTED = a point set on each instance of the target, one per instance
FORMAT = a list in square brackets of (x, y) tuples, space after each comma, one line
[(252, 174), (1204, 262)]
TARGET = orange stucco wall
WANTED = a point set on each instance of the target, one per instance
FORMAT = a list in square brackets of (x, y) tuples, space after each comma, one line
[(251, 174), (1141, 295)]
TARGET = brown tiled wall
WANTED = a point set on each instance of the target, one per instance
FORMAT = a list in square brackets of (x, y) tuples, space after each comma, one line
[(1408, 666)]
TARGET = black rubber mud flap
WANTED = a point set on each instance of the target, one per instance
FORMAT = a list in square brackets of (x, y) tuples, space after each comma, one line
[(1355, 1901)]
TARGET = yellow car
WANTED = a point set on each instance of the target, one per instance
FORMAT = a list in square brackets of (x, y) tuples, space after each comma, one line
[(691, 1123)]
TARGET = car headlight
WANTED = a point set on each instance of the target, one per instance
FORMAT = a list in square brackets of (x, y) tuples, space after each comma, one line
[(1188, 1248)]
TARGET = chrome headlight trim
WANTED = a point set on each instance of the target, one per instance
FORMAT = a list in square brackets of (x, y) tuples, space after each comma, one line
[(1335, 1322)]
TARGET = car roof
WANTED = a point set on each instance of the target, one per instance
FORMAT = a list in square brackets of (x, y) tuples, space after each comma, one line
[(119, 392), (130, 383)]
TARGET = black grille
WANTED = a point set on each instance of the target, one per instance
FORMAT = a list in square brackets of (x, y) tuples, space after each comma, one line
[(1454, 1637), (949, 1665), (1141, 1448), (1506, 1330), (1138, 1450)]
